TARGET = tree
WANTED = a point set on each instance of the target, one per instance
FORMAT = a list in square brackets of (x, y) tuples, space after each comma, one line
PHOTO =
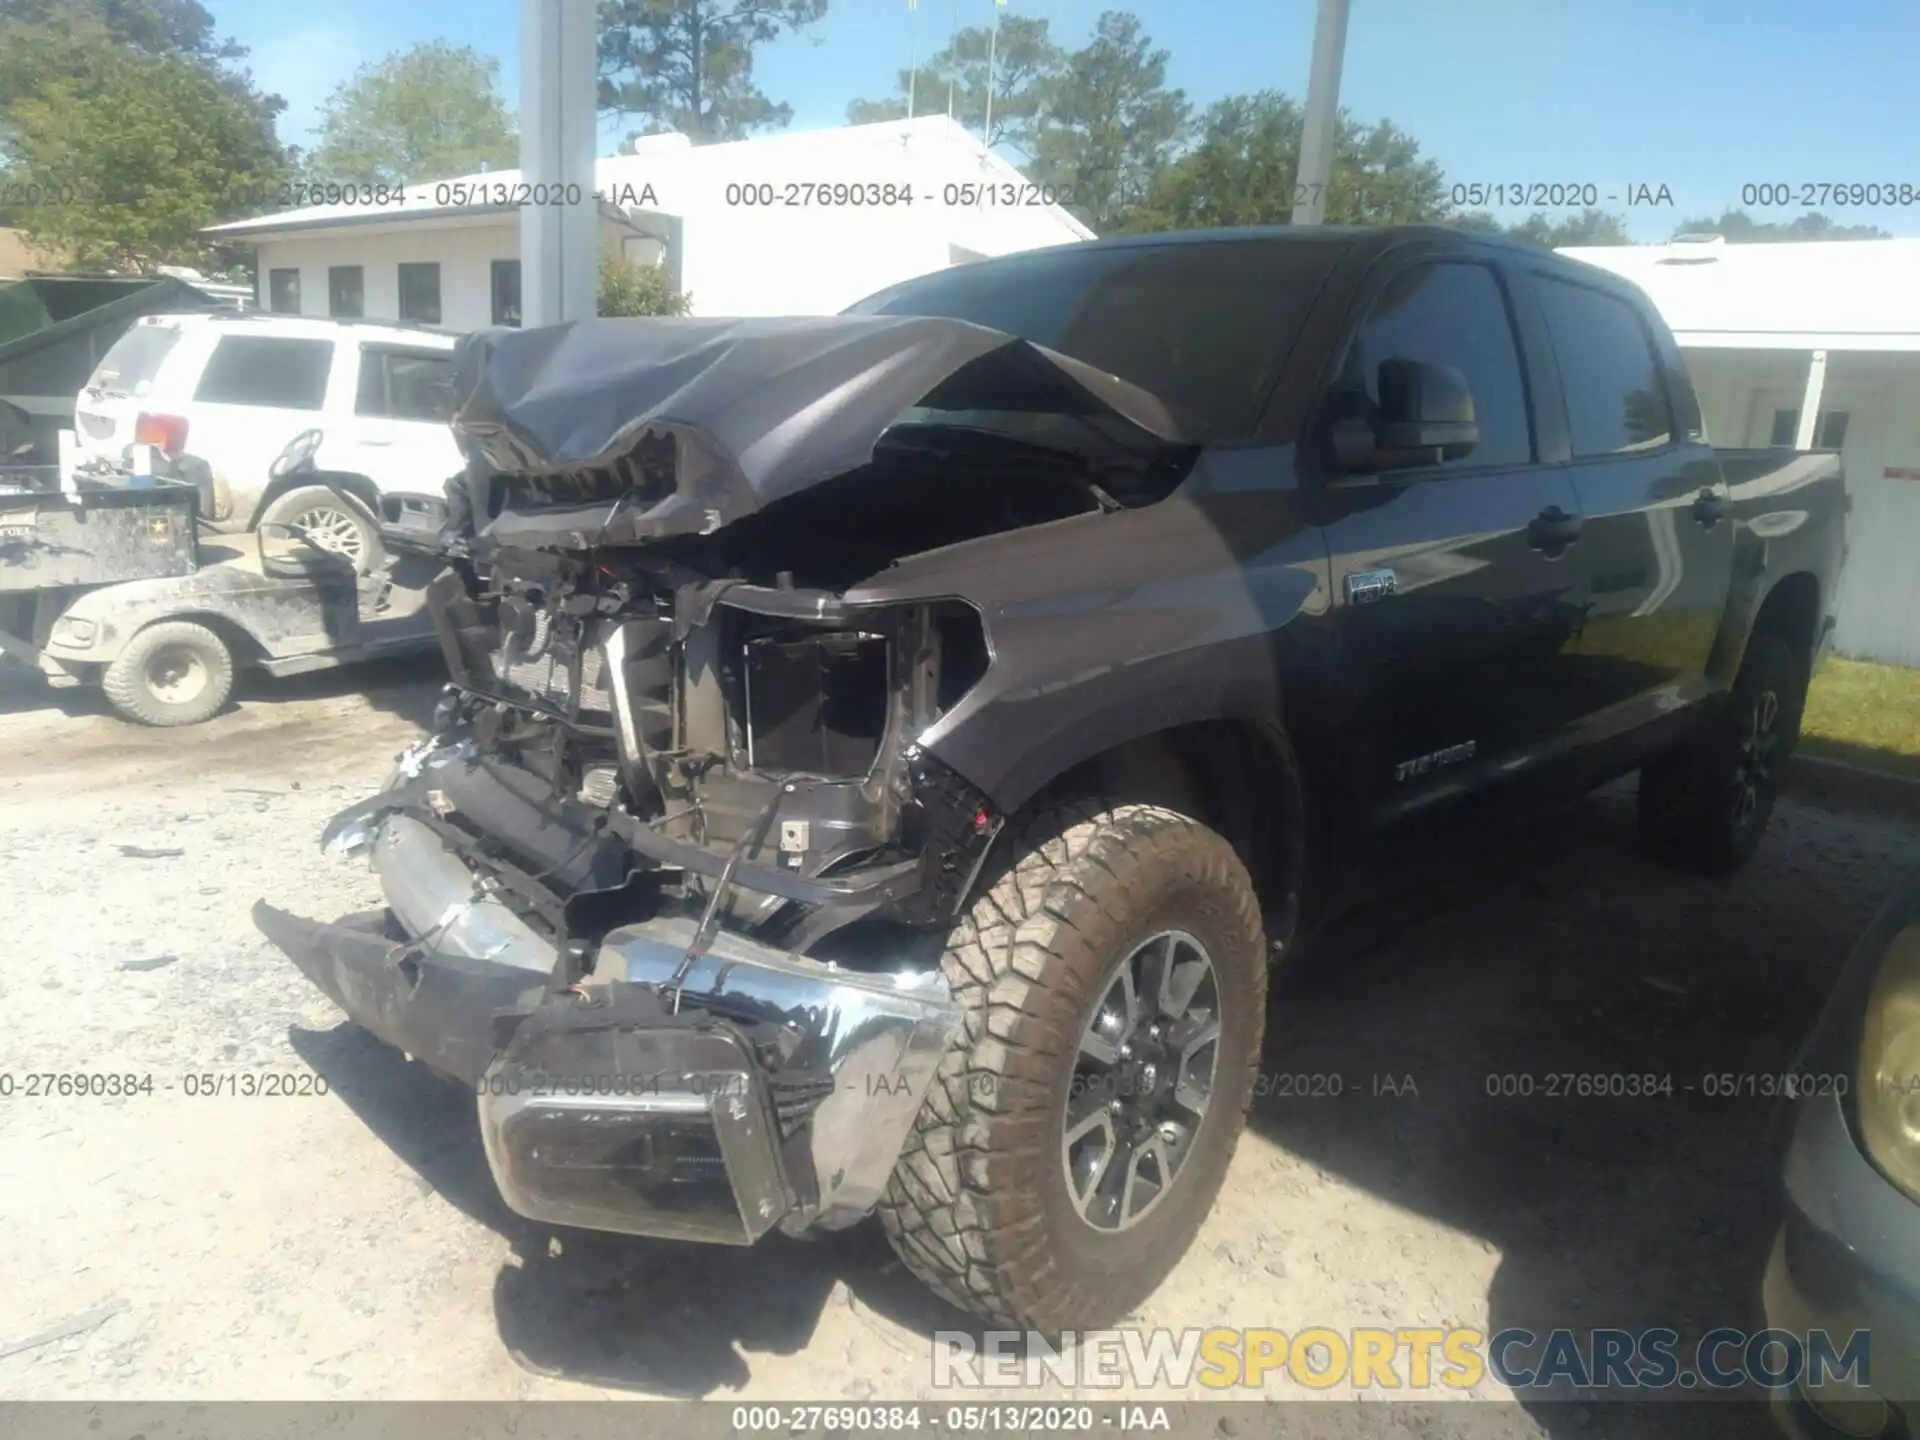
[(629, 289), (687, 65), (153, 27), (131, 154), (1026, 66), (1110, 124), (1243, 168), (1740, 228), (1589, 227), (420, 114)]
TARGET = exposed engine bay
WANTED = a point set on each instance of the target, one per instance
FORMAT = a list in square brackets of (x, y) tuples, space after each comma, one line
[(701, 714)]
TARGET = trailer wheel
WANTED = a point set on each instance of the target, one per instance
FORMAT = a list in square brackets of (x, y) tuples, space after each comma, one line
[(1114, 979), (172, 673)]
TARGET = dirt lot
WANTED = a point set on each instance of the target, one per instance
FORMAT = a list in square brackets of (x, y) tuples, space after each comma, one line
[(350, 1246)]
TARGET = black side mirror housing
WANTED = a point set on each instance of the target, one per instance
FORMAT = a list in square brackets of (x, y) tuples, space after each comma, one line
[(1425, 417)]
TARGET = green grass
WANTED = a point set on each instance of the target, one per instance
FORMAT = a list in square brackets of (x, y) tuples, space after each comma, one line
[(1866, 714)]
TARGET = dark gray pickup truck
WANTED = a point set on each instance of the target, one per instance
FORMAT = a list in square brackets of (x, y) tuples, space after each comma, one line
[(886, 752)]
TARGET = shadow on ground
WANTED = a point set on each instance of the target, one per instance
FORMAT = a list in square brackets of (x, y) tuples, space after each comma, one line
[(1539, 952)]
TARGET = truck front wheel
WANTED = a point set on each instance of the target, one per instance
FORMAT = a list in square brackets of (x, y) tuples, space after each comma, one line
[(1114, 979), (173, 673)]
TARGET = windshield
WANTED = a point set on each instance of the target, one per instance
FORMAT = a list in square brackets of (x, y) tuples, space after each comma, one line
[(130, 366), (1202, 326)]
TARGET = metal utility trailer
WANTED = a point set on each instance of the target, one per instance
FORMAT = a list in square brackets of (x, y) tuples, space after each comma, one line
[(104, 580)]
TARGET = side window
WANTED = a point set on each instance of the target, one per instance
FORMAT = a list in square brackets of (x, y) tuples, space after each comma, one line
[(1616, 398), (283, 291), (266, 370), (1452, 313), (420, 291), (405, 385)]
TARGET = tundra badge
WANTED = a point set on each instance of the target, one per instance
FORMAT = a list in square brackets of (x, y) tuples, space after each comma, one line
[(1366, 585)]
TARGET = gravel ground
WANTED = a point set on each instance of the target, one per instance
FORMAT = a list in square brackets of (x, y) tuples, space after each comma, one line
[(350, 1246)]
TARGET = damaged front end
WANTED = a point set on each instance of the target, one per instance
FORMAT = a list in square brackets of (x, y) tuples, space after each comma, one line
[(668, 882)]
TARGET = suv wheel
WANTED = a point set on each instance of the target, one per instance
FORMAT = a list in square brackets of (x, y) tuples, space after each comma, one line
[(329, 520), (1705, 804), (1115, 985)]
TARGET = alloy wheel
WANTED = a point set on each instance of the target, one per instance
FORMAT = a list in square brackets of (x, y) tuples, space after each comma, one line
[(1143, 1076), (1754, 758), (333, 529)]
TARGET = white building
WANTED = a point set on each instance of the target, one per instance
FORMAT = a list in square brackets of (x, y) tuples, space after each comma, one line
[(790, 224), (1812, 344)]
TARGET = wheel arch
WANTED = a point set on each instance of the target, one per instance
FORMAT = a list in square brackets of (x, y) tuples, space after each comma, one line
[(360, 487), (241, 643), (1791, 609), (1239, 776)]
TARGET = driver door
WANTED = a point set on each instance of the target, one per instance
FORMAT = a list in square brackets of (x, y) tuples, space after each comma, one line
[(1457, 597)]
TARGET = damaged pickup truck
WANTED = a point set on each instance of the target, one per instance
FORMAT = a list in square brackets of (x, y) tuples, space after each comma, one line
[(885, 752)]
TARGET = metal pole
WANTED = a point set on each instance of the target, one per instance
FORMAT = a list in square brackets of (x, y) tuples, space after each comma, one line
[(1321, 124), (993, 51), (559, 243), (952, 39), (913, 52), (1810, 401)]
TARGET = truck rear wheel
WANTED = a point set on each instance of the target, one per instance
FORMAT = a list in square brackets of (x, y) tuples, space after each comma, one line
[(1114, 978), (173, 673), (1705, 804)]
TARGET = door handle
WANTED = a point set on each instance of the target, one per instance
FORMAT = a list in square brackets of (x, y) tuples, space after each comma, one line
[(1709, 509), (1553, 530)]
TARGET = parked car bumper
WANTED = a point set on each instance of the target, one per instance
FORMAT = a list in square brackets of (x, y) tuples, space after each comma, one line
[(1847, 1258)]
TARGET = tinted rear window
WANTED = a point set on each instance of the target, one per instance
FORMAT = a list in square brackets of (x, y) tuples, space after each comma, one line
[(283, 373), (1616, 399), (130, 366), (1204, 327)]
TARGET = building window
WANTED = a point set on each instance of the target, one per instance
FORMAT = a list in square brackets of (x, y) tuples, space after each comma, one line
[(506, 292), (1829, 431), (346, 292), (283, 291), (420, 292)]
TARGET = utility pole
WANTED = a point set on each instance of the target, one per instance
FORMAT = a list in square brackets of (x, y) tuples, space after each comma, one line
[(1321, 124), (913, 52), (993, 51), (559, 244)]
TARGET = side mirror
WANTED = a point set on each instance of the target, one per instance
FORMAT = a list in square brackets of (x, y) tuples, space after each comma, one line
[(1425, 416), (1426, 407)]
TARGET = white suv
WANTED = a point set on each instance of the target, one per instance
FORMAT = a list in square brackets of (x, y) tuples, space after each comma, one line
[(234, 389)]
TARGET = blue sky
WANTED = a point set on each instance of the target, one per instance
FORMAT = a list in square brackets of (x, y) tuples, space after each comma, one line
[(1702, 98)]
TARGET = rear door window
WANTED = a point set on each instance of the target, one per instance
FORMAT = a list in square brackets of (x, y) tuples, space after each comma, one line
[(406, 384), (132, 365), (1616, 399), (267, 370)]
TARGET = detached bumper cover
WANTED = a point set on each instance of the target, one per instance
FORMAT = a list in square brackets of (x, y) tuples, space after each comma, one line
[(773, 1089)]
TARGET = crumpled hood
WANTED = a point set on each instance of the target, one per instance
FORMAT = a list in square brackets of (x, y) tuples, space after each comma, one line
[(763, 407)]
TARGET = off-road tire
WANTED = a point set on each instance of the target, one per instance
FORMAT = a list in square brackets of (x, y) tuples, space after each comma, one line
[(355, 525), (135, 683), (1691, 810), (979, 1206)]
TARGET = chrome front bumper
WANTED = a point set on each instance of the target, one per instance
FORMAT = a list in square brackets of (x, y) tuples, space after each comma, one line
[(779, 1090)]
